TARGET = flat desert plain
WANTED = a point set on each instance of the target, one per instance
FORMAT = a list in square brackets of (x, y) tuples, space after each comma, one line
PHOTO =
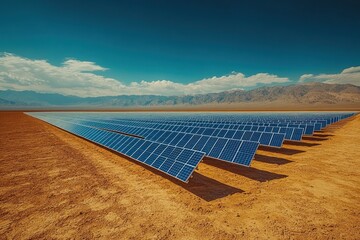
[(56, 185)]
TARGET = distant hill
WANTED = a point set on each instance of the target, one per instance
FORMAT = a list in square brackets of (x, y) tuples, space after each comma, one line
[(310, 93)]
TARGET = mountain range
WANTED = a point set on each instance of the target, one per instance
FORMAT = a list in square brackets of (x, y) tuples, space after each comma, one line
[(303, 94)]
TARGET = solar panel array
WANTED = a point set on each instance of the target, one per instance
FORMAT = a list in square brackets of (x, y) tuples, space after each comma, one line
[(175, 143)]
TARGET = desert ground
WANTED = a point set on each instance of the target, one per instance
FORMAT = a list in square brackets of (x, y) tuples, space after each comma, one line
[(56, 185)]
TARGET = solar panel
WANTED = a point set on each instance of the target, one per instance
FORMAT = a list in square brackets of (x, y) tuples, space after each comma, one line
[(277, 139), (297, 134)]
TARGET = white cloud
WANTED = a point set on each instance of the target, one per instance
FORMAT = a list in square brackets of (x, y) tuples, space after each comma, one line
[(82, 66), (351, 70), (76, 77), (347, 76), (19, 73)]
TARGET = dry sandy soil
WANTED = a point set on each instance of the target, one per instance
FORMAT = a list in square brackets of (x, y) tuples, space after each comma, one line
[(56, 185)]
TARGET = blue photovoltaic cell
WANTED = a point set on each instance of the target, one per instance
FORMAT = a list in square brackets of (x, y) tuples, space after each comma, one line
[(209, 145), (297, 135), (218, 147), (201, 143), (191, 143), (289, 133), (243, 158), (201, 130), (238, 135), (184, 173), (175, 168), (222, 133), (265, 138), (157, 163), (255, 137), (309, 130), (247, 135), (230, 134), (166, 165), (170, 137), (208, 131), (317, 126), (277, 140), (184, 156), (183, 141), (230, 150), (249, 147)]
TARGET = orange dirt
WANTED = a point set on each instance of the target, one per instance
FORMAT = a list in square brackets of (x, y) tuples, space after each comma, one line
[(56, 185)]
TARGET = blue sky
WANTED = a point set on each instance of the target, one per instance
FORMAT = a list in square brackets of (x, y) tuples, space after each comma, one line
[(153, 46)]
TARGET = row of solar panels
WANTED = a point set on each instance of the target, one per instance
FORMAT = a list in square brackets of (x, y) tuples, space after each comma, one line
[(308, 129), (229, 150), (187, 135), (228, 131), (174, 148), (175, 161), (279, 122), (237, 119), (279, 119)]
